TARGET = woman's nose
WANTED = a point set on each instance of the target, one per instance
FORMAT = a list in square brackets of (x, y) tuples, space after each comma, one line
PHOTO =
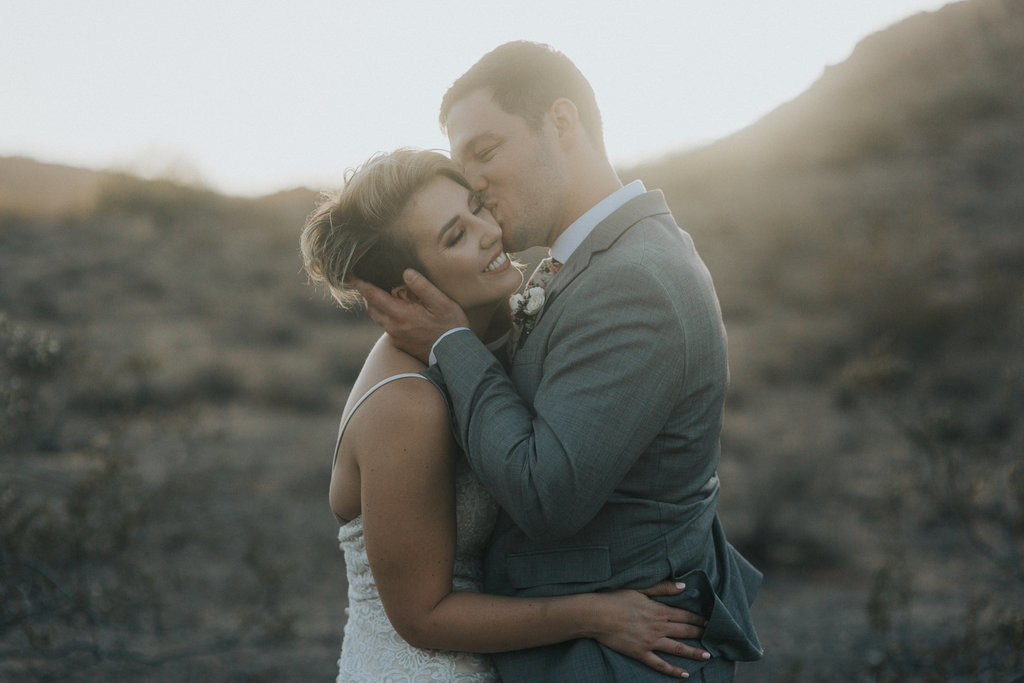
[(490, 233)]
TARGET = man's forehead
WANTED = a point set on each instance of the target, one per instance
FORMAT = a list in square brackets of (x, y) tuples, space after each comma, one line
[(474, 115)]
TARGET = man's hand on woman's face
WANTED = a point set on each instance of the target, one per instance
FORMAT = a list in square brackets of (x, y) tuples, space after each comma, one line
[(417, 323)]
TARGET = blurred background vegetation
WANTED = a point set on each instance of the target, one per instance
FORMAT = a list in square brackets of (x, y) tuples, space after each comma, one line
[(170, 388)]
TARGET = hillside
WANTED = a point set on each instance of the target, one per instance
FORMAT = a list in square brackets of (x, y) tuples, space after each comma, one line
[(884, 197), (27, 186), (170, 387)]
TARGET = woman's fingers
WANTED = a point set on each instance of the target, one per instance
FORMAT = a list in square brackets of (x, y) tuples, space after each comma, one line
[(662, 588), (681, 649), (695, 621), (660, 665), (670, 588)]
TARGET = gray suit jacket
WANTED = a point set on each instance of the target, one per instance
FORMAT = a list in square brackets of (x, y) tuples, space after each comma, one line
[(601, 442)]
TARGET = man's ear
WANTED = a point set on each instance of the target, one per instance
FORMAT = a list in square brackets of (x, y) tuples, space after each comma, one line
[(566, 119), (405, 294)]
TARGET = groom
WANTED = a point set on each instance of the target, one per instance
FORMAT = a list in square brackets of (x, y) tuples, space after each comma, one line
[(601, 440)]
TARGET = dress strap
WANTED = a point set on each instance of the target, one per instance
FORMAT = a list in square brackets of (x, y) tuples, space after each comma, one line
[(375, 387)]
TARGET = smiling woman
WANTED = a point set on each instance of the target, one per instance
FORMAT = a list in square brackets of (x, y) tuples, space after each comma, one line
[(410, 209), (414, 519), (465, 256)]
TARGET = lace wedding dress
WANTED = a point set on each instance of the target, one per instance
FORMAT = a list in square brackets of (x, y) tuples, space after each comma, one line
[(372, 650)]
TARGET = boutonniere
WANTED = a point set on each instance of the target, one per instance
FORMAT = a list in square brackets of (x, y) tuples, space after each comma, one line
[(525, 308)]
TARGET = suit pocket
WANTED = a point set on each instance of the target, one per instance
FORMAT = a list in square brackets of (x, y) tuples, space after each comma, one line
[(729, 633), (575, 565)]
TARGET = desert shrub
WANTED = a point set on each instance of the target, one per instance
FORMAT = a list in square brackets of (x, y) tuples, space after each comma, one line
[(136, 388), (164, 201), (29, 357), (967, 478), (287, 392), (216, 383), (945, 115), (92, 587), (70, 586)]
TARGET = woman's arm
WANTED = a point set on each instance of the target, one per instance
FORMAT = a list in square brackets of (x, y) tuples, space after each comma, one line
[(407, 462)]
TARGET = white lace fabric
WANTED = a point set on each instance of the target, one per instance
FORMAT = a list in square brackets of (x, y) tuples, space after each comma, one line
[(372, 650)]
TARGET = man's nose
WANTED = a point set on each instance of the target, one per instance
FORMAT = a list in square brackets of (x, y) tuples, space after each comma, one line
[(476, 181)]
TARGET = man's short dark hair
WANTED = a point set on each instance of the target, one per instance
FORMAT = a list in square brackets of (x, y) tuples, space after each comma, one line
[(525, 78)]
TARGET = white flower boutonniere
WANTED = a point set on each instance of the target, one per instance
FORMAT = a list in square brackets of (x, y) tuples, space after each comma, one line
[(525, 308)]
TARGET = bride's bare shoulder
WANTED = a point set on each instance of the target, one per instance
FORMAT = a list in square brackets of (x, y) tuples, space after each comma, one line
[(413, 400)]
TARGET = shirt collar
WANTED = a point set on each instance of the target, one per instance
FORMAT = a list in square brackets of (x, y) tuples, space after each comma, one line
[(573, 236)]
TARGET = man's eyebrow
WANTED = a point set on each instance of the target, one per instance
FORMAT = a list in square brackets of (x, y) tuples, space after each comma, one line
[(474, 142)]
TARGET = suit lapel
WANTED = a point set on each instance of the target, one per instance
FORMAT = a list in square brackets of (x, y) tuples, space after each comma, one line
[(603, 236)]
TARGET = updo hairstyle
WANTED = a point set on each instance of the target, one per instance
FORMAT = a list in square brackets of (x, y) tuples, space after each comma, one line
[(354, 230)]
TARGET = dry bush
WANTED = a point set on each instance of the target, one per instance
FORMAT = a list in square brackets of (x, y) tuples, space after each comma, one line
[(88, 591), (964, 487), (121, 555), (29, 358)]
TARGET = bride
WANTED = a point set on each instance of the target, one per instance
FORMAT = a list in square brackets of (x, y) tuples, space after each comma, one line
[(414, 519)]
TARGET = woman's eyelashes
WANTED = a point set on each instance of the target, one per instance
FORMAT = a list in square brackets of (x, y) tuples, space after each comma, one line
[(457, 233), (454, 236)]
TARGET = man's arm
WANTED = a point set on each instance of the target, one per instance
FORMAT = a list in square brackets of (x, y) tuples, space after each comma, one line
[(610, 378), (413, 325)]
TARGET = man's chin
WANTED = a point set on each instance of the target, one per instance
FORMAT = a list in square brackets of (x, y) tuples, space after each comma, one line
[(512, 246)]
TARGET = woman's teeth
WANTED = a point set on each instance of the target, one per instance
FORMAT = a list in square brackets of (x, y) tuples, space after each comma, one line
[(496, 263)]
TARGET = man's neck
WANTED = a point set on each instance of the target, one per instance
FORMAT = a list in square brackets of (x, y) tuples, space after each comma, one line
[(598, 181), (572, 237)]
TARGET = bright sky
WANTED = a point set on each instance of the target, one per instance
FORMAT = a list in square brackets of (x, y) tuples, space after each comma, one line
[(255, 97)]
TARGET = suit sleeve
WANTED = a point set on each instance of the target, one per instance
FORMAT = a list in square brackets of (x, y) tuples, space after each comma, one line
[(612, 372)]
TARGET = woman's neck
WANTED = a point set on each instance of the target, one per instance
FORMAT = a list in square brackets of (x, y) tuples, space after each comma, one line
[(487, 323)]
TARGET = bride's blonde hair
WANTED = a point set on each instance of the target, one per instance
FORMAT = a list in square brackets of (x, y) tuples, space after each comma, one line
[(353, 230)]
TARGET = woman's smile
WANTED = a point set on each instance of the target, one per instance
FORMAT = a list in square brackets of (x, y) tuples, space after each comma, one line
[(459, 244), (499, 263)]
